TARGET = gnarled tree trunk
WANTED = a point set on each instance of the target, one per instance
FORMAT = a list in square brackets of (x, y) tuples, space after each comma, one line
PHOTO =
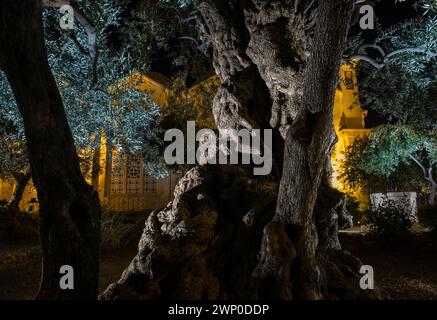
[(228, 234), (69, 208)]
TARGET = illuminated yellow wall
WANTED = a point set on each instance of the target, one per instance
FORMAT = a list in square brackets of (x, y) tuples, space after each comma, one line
[(29, 201), (349, 125), (153, 83), (189, 103), (6, 189), (121, 181)]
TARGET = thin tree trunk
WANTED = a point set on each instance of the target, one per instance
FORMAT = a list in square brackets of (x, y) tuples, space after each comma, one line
[(428, 176), (69, 208), (21, 181), (431, 199)]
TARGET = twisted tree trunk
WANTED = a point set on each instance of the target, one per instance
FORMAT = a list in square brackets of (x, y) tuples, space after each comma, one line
[(69, 208), (227, 234)]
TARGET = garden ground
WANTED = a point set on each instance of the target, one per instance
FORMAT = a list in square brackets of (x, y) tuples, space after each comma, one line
[(20, 270), (407, 271)]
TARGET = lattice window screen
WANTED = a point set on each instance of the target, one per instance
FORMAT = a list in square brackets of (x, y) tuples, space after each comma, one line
[(150, 183), (134, 174), (118, 176)]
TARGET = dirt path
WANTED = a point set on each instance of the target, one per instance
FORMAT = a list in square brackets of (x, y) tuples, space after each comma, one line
[(403, 272), (20, 280)]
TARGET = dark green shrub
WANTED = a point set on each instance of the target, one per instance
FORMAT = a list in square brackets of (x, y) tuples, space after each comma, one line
[(391, 221), (117, 231), (428, 216)]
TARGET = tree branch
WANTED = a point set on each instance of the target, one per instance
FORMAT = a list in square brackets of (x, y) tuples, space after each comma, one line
[(420, 165), (190, 39), (90, 30), (77, 44), (430, 177), (361, 57), (373, 46), (189, 19), (387, 57), (182, 19)]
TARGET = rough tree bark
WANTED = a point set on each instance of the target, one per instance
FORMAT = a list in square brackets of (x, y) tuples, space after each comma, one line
[(21, 180), (308, 144), (69, 208), (227, 234)]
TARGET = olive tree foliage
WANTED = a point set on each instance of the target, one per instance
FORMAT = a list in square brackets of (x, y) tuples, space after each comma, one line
[(93, 64), (405, 90), (389, 156), (355, 174), (99, 94), (13, 157), (400, 97), (410, 43), (14, 163), (174, 37), (393, 145), (400, 64)]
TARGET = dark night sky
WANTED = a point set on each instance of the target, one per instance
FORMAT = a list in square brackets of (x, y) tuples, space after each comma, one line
[(390, 13)]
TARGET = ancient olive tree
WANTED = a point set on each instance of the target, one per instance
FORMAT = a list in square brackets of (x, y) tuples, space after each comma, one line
[(228, 234)]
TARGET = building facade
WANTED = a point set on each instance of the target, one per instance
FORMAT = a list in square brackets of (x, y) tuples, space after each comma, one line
[(349, 124)]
